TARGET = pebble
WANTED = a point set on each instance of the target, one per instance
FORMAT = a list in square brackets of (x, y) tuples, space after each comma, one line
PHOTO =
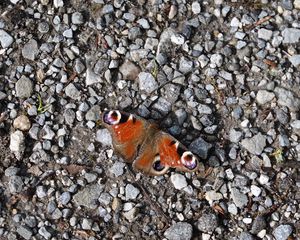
[(129, 70), (25, 232), (295, 60), (24, 87), (185, 65), (88, 196), (200, 147), (291, 35), (256, 191), (196, 7), (103, 136), (64, 198), (207, 222), (287, 98), (235, 136), (30, 50), (45, 232), (15, 184), (5, 39), (58, 3), (131, 192), (17, 144), (179, 181), (177, 39), (240, 199), (72, 92), (282, 232), (297, 4), (77, 18), (117, 169), (22, 123), (258, 225), (246, 236), (264, 96), (265, 34), (179, 231), (255, 145), (147, 82)]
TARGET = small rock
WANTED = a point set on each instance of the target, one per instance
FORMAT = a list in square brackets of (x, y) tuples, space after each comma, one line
[(25, 232), (240, 199), (5, 39), (131, 214), (45, 232), (147, 82), (15, 184), (282, 232), (22, 123), (177, 38), (264, 96), (255, 145), (235, 136), (2, 95), (265, 34), (179, 181), (24, 87), (72, 92), (259, 224), (179, 231), (163, 106), (30, 50), (131, 192), (255, 190), (185, 65), (287, 4), (291, 35), (17, 144), (172, 12), (64, 198), (88, 197), (105, 198), (200, 147), (47, 133), (117, 169), (297, 4), (295, 60), (129, 70), (103, 136), (246, 236), (287, 98), (77, 18), (207, 222), (58, 3), (216, 59), (196, 7), (144, 23)]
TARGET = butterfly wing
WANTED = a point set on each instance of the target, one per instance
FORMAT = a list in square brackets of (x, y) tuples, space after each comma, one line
[(160, 151), (127, 131)]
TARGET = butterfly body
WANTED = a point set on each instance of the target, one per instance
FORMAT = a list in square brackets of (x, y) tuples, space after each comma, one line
[(141, 143)]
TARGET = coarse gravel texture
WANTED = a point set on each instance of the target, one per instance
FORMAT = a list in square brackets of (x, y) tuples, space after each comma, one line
[(220, 76)]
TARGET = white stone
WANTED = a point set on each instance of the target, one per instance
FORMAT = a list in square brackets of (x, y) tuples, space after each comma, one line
[(264, 96), (178, 181), (196, 7), (58, 3), (255, 190), (263, 179), (265, 34), (297, 4), (177, 38)]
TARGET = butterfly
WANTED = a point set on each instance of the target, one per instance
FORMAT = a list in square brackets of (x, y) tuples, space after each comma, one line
[(149, 149)]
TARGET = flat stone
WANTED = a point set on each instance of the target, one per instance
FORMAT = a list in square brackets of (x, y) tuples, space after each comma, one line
[(117, 169), (287, 98), (15, 184), (295, 60), (17, 144), (235, 136), (5, 39), (240, 199), (265, 34), (147, 82), (255, 145), (200, 147), (131, 192), (30, 50), (207, 222), (88, 197), (25, 232), (297, 4), (264, 96), (24, 87), (129, 70), (179, 231), (72, 92), (179, 181), (282, 232), (103, 136), (291, 35)]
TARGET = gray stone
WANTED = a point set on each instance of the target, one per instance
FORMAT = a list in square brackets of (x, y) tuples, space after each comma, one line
[(25, 232), (295, 124), (291, 35), (287, 4), (41, 191), (295, 60), (297, 4), (105, 198), (87, 224), (117, 169), (15, 184), (147, 82), (179, 181), (235, 136), (200, 147), (185, 65), (93, 114), (196, 7), (240, 199), (69, 116), (129, 70), (204, 109), (43, 27), (207, 222), (179, 231), (72, 92), (287, 98), (216, 59), (88, 197), (255, 145), (2, 95), (30, 50), (92, 77), (131, 214), (64, 198), (259, 224), (282, 232), (24, 87), (5, 39), (163, 106), (103, 136), (264, 96), (47, 133), (265, 34), (144, 23), (11, 171), (45, 232), (177, 38), (131, 192), (77, 18), (17, 144), (246, 236)]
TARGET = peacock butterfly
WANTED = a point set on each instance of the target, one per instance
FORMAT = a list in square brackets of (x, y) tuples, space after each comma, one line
[(149, 149)]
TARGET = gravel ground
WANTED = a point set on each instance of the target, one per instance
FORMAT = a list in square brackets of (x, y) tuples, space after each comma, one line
[(221, 76)]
